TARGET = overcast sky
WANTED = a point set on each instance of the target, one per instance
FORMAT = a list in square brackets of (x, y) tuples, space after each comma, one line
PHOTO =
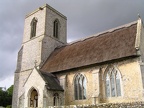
[(85, 17)]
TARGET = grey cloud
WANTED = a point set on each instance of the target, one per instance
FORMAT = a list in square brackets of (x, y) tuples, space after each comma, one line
[(10, 38), (8, 62), (105, 15)]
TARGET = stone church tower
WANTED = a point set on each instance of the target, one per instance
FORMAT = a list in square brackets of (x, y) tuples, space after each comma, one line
[(44, 30)]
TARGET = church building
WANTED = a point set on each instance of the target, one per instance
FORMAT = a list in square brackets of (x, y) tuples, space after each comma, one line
[(107, 67)]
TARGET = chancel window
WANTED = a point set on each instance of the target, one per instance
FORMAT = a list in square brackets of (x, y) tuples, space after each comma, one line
[(80, 87), (56, 28), (33, 27), (113, 83)]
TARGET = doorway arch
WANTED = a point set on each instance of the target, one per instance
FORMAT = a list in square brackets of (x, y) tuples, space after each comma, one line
[(33, 98)]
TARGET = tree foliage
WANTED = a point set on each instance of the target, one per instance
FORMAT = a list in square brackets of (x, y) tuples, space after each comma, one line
[(10, 90), (6, 96)]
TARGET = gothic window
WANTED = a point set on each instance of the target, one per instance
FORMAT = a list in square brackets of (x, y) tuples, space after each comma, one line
[(56, 28), (33, 27), (56, 99), (80, 87), (113, 83)]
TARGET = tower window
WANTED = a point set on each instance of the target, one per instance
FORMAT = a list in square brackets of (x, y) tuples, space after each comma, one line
[(80, 87), (113, 83), (56, 28), (33, 27)]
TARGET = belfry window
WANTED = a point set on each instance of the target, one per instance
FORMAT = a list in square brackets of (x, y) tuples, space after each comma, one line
[(113, 83), (33, 27), (80, 87), (56, 28)]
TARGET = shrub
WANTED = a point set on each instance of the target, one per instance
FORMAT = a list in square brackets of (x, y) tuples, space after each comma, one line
[(9, 106)]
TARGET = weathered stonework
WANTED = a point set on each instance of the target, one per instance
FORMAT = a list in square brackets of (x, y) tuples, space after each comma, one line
[(130, 81), (51, 16), (36, 50), (34, 81), (105, 105)]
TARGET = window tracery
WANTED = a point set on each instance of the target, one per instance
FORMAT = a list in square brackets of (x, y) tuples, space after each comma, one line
[(80, 87), (113, 83)]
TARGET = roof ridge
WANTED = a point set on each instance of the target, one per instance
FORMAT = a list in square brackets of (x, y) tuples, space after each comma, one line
[(100, 33)]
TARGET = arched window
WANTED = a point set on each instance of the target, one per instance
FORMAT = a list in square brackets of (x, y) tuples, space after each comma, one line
[(33, 27), (56, 28), (113, 83), (80, 87), (56, 99)]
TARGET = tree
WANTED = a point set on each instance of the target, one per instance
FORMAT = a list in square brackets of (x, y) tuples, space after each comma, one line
[(6, 96), (10, 90)]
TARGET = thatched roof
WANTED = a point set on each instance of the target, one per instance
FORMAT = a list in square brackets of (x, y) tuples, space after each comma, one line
[(110, 45)]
